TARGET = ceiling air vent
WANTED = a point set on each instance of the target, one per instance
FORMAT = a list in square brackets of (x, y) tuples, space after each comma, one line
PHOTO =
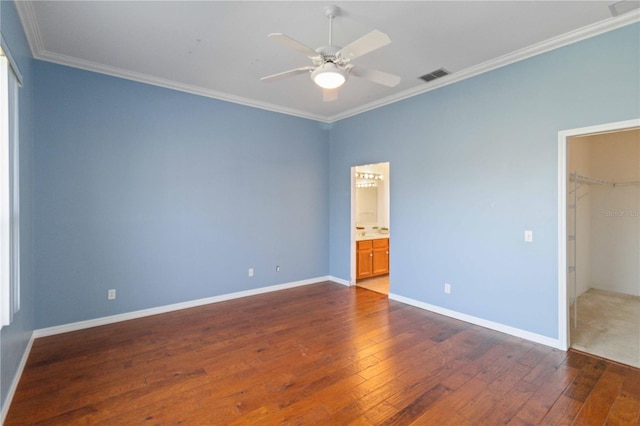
[(623, 6), (435, 74)]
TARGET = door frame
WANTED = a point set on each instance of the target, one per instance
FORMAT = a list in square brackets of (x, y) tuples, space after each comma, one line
[(563, 140), (352, 238)]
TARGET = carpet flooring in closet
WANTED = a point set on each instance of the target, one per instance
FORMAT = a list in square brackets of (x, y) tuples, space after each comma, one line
[(608, 326)]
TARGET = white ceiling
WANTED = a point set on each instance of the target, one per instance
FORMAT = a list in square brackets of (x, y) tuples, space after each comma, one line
[(220, 48)]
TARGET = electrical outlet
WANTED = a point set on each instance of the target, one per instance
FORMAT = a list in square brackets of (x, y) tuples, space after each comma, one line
[(111, 294), (447, 288), (277, 268), (250, 272)]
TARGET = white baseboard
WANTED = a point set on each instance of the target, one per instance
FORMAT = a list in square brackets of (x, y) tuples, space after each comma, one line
[(16, 379), (50, 331), (339, 281), (537, 338)]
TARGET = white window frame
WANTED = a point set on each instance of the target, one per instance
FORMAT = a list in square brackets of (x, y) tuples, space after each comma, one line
[(10, 79)]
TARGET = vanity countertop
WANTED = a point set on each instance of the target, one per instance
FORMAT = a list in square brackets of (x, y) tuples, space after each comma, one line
[(370, 236)]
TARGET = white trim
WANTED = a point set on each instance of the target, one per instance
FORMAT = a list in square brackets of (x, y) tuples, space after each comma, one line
[(9, 191), (50, 331), (340, 281), (5, 195), (12, 62), (537, 338), (16, 379), (563, 337), (352, 236), (16, 218), (30, 25), (563, 136)]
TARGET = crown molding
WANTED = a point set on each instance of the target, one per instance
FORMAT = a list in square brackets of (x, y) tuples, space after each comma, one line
[(29, 23), (501, 61), (169, 84)]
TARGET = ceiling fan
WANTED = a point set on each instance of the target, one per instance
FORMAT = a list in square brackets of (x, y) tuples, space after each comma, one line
[(332, 64)]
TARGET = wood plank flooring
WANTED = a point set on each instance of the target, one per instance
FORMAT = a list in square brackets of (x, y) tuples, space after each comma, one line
[(318, 354)]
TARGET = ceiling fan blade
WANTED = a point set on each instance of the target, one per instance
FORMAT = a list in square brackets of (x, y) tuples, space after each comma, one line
[(293, 44), (329, 95), (376, 76), (285, 74), (365, 44)]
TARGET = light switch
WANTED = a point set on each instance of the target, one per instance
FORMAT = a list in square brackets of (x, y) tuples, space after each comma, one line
[(528, 236)]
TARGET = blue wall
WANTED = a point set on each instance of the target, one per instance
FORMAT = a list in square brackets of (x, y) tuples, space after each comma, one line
[(168, 197), (473, 165), (14, 338)]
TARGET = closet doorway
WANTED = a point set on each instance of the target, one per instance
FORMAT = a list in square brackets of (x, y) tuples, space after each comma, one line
[(603, 243), (370, 233)]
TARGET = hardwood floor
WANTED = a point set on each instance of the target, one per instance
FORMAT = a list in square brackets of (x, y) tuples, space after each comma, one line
[(318, 354)]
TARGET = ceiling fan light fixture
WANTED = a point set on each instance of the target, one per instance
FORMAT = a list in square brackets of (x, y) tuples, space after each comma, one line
[(329, 76)]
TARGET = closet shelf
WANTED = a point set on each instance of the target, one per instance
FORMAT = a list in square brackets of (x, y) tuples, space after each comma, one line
[(574, 177), (588, 180)]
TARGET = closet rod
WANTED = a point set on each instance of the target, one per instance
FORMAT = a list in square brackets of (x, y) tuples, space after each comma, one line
[(588, 180)]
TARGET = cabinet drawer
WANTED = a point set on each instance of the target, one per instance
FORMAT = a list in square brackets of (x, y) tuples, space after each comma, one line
[(365, 245), (381, 243)]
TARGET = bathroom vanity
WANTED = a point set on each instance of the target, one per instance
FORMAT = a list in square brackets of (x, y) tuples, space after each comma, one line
[(372, 257)]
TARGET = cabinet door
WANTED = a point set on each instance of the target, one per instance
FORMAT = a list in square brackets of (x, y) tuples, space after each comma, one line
[(380, 264), (364, 263)]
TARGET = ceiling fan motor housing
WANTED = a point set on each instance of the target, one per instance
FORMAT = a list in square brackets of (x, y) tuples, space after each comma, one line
[(328, 54)]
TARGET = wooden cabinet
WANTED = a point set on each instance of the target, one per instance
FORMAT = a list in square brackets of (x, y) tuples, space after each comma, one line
[(364, 259), (380, 257), (372, 258)]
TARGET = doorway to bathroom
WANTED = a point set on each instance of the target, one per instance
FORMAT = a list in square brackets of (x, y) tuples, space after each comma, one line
[(370, 231)]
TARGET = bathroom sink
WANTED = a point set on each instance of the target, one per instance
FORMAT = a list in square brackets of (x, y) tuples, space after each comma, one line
[(370, 235)]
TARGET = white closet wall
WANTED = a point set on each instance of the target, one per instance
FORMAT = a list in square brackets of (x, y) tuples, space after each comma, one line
[(615, 212)]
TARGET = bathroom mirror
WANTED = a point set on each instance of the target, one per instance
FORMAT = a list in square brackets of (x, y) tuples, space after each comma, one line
[(372, 195), (367, 206)]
